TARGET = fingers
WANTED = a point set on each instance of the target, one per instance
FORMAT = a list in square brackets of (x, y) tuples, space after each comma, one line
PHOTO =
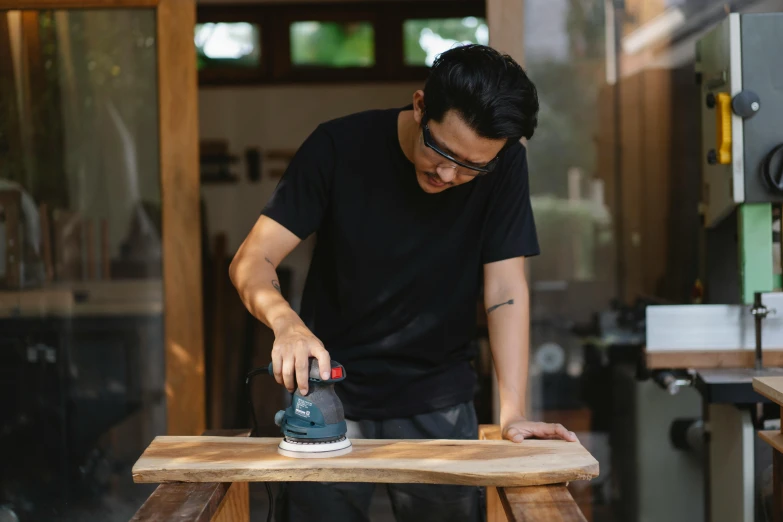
[(515, 435), (324, 361), (557, 431), (287, 367), (302, 366), (540, 430), (277, 365)]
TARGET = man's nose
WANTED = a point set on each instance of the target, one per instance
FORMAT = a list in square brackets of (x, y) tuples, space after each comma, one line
[(446, 173)]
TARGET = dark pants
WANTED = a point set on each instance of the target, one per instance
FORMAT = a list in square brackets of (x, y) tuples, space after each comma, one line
[(350, 501)]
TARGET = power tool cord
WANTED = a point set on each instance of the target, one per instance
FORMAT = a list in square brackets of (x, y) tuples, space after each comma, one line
[(252, 373)]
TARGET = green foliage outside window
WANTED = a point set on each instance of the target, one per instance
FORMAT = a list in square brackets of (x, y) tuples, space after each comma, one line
[(424, 39), (332, 44), (236, 45)]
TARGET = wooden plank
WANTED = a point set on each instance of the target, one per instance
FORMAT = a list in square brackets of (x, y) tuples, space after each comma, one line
[(236, 505), (200, 502), (773, 437), (74, 4), (180, 194), (777, 486), (657, 97), (465, 462), (632, 166), (98, 298), (711, 359), (495, 511), (217, 376), (770, 387), (11, 208), (540, 504), (182, 501), (506, 21)]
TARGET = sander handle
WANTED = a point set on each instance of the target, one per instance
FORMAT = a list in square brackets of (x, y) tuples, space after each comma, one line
[(338, 372)]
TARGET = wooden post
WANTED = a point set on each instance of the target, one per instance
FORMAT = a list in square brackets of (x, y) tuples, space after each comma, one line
[(506, 21), (180, 194)]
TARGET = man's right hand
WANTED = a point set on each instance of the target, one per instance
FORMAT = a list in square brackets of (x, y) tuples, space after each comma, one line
[(291, 352)]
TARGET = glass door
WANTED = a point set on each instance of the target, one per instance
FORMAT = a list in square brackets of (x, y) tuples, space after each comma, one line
[(100, 297)]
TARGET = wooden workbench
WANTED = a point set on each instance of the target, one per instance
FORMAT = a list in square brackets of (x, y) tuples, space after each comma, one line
[(207, 476)]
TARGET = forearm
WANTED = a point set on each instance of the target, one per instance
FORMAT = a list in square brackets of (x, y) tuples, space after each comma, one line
[(254, 275), (508, 317)]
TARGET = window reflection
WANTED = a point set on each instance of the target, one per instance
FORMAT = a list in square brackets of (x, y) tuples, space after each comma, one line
[(81, 354)]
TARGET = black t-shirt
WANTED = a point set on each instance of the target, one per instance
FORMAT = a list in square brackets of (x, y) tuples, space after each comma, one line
[(396, 272)]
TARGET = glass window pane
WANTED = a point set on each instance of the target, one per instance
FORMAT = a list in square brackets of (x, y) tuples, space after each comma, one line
[(425, 39), (236, 45), (82, 366), (333, 44)]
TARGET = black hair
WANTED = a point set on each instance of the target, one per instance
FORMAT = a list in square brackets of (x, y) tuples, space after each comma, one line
[(489, 90)]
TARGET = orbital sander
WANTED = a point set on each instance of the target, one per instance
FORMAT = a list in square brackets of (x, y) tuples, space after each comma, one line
[(313, 425)]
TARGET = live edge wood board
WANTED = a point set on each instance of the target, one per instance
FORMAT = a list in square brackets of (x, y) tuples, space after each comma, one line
[(470, 462)]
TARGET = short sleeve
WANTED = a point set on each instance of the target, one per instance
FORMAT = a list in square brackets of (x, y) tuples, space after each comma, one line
[(510, 227), (302, 195)]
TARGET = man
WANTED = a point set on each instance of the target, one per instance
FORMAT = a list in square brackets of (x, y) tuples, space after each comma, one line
[(410, 206)]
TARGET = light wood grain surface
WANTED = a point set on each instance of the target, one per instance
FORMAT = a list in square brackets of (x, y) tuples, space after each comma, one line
[(540, 504), (469, 462), (236, 506), (180, 196), (74, 4), (95, 298), (183, 501), (774, 438), (712, 359), (770, 387)]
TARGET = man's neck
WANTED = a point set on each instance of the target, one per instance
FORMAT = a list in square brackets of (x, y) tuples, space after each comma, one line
[(407, 133)]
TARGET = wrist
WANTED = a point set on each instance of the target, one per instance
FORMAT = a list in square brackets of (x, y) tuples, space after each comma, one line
[(511, 413), (283, 319)]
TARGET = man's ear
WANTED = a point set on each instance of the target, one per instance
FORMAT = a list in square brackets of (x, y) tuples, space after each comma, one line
[(418, 106)]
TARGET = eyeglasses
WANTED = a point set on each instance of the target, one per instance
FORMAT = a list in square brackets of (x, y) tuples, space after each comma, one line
[(479, 170)]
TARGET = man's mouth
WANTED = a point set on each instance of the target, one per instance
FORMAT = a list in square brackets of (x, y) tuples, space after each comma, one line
[(434, 180)]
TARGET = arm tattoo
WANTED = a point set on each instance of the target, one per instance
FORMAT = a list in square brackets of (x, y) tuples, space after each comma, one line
[(493, 308), (269, 261), (276, 285)]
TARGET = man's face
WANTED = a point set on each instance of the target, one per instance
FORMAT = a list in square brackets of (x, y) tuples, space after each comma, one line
[(452, 136)]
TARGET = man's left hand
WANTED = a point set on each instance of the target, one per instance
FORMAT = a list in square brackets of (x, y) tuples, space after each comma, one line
[(522, 429)]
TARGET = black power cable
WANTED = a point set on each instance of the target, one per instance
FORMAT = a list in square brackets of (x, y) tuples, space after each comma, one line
[(252, 373)]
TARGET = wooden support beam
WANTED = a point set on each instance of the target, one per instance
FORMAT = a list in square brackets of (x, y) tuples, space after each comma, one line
[(198, 502), (540, 504), (180, 193), (549, 503)]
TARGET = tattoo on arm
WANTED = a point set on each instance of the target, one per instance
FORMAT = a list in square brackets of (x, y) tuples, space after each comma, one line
[(493, 308), (276, 284)]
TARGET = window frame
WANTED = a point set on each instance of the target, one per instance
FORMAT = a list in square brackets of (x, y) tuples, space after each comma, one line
[(274, 21)]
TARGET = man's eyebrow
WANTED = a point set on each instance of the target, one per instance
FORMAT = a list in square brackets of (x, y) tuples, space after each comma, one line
[(449, 151)]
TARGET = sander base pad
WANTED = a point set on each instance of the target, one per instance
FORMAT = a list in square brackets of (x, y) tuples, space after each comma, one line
[(314, 450)]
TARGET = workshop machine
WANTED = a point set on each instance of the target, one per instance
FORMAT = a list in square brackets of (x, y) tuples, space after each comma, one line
[(718, 347)]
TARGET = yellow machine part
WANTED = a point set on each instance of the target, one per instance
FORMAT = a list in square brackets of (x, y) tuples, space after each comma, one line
[(723, 123)]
